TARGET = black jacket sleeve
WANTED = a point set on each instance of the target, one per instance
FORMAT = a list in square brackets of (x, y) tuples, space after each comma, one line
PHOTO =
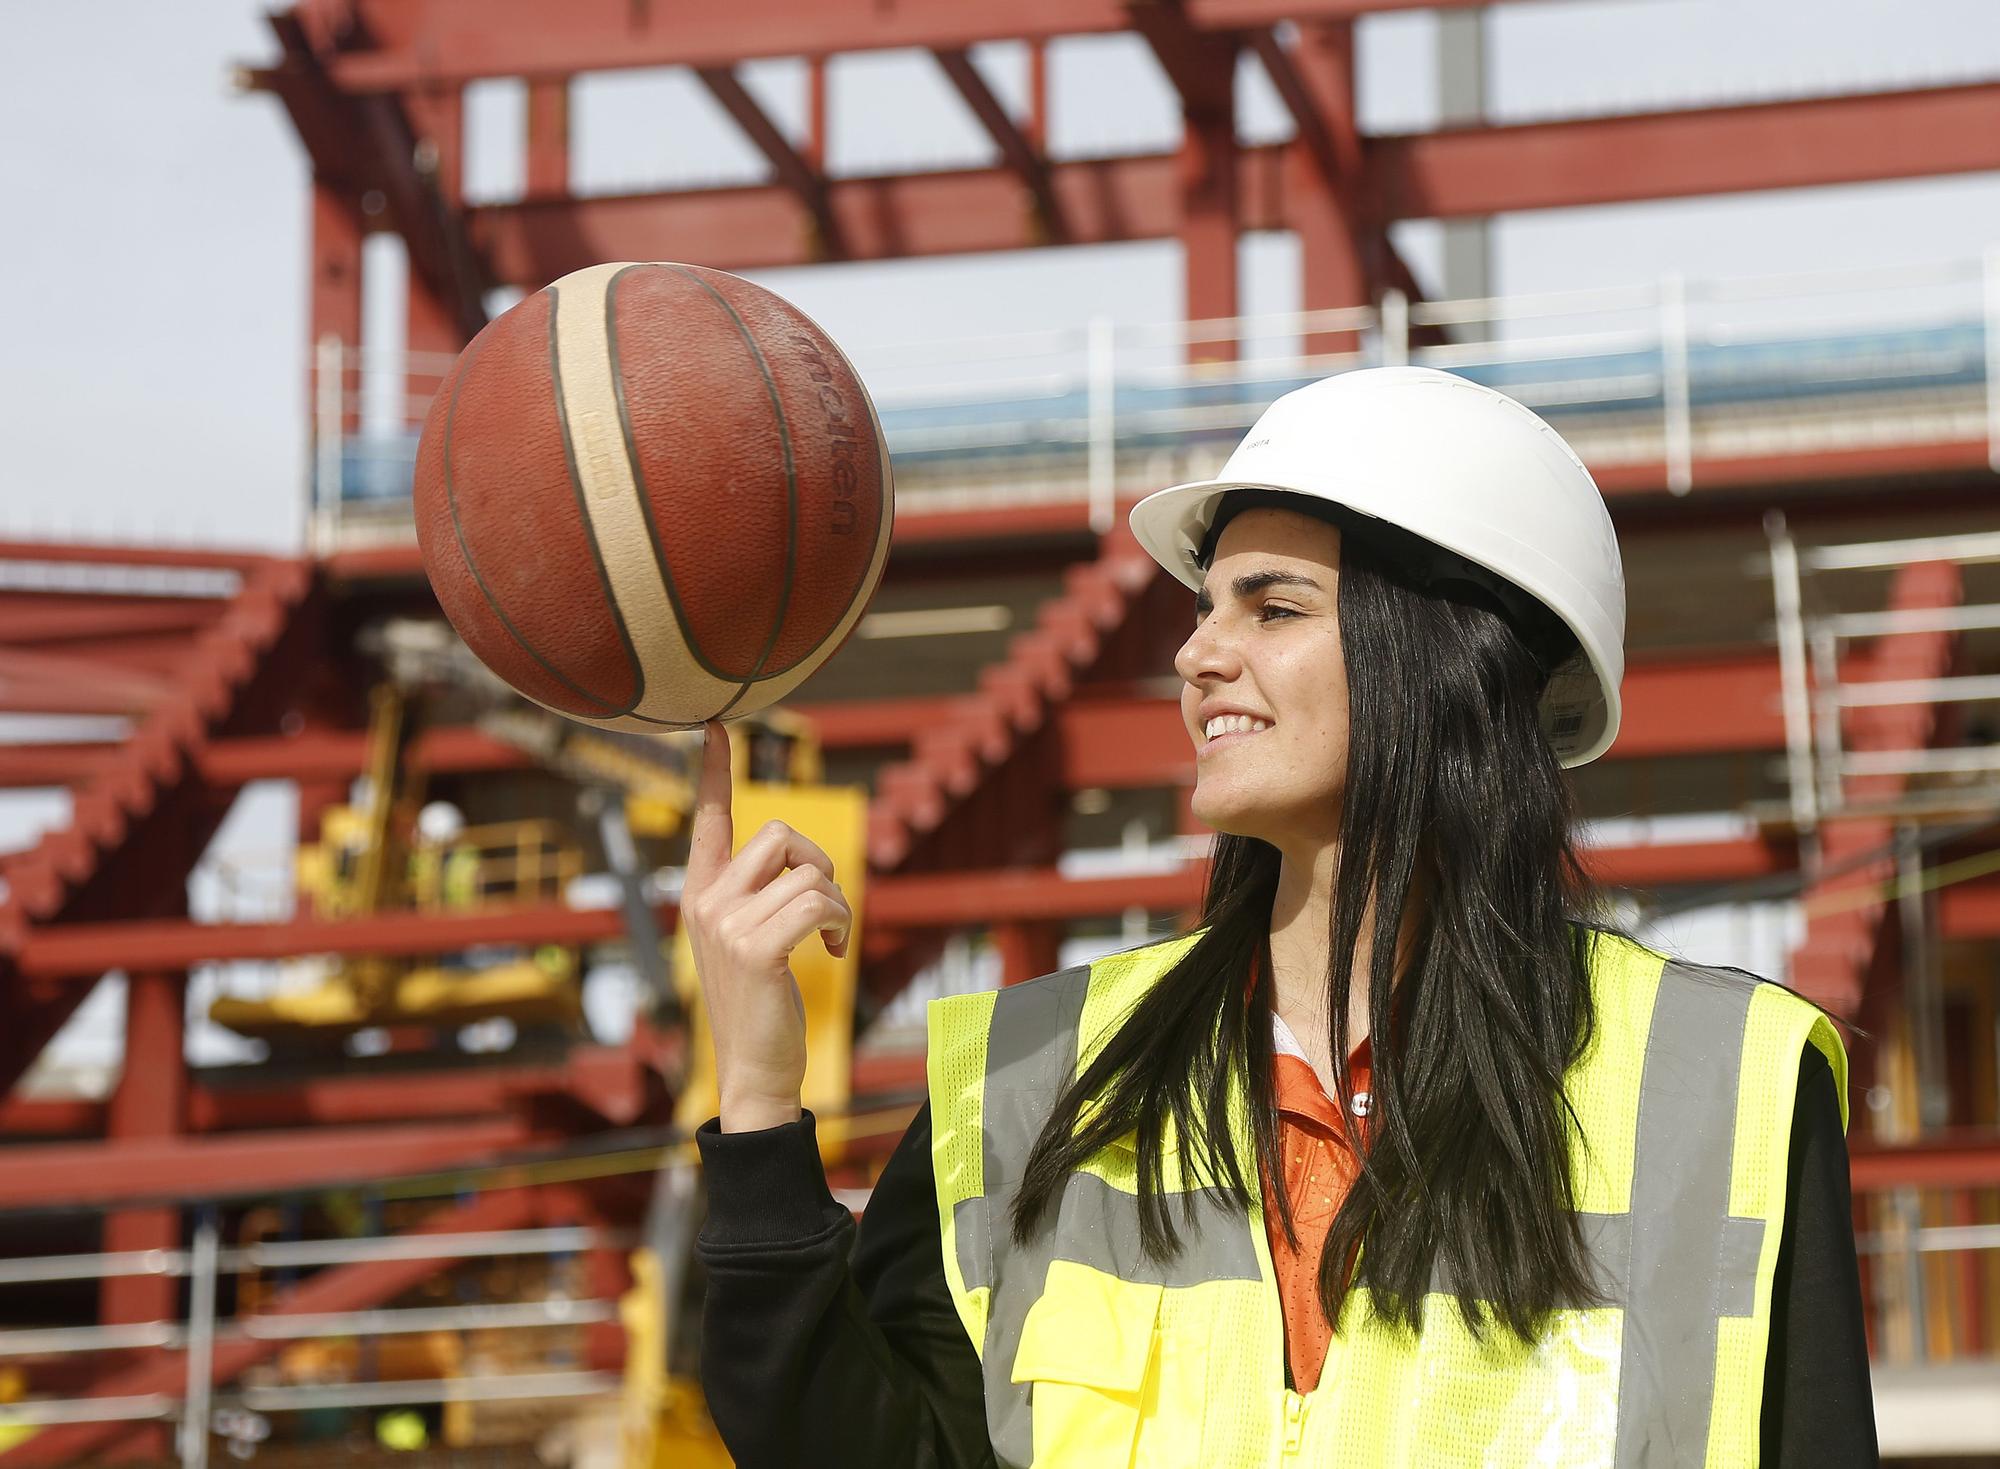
[(1819, 1408), (806, 1358)]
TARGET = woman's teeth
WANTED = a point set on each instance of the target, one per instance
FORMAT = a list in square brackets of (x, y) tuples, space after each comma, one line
[(1233, 724)]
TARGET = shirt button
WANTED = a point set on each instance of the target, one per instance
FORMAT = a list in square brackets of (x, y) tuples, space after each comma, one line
[(1363, 1103)]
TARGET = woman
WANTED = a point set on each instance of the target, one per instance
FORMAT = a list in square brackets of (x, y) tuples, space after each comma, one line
[(1135, 1223)]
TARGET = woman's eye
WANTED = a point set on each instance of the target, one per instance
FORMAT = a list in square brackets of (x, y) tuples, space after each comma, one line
[(1201, 612)]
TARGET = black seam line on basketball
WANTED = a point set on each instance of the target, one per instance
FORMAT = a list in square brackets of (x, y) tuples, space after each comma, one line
[(583, 510), (639, 479), (757, 672), (465, 550), (791, 479)]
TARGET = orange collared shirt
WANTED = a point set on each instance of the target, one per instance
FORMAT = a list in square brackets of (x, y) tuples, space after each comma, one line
[(1319, 1167)]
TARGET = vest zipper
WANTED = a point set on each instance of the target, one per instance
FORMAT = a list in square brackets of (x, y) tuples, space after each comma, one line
[(1295, 1414)]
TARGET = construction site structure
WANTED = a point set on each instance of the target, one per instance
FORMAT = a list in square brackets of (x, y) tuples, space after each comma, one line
[(435, 1204)]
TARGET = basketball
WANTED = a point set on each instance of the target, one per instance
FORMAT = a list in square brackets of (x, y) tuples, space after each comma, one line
[(653, 494)]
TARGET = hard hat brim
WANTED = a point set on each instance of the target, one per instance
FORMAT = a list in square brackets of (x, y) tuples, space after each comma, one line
[(1580, 705)]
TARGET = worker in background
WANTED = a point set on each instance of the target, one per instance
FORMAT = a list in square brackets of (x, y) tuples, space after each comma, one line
[(1405, 1154), (444, 870)]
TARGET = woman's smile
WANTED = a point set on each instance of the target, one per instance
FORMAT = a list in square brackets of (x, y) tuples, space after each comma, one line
[(1227, 737)]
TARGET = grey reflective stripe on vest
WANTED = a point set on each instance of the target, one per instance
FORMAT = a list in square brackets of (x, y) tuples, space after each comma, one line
[(1679, 1261), (1031, 1051), (1689, 1262)]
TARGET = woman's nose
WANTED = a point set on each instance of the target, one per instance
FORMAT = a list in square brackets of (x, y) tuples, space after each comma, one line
[(1203, 651)]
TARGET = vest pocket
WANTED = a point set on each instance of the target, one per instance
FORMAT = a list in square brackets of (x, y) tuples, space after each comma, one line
[(1089, 1350)]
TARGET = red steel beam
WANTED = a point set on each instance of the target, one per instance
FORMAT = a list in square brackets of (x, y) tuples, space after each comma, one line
[(335, 1289), (892, 217), (1637, 489), (606, 1079), (368, 142), (66, 674), (1023, 156), (1959, 1159), (1832, 964), (50, 1116), (1671, 155), (86, 617), (926, 901), (1465, 172), (85, 949), (806, 182), (40, 1174), (464, 40), (1726, 703), (1970, 910), (1710, 705), (179, 558)]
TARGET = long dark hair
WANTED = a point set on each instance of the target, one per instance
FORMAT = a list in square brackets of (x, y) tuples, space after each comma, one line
[(1451, 782)]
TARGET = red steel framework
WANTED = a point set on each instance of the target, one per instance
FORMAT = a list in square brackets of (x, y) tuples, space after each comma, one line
[(258, 681)]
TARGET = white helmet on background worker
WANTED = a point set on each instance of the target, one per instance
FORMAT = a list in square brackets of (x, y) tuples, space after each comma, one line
[(440, 822), (1464, 468)]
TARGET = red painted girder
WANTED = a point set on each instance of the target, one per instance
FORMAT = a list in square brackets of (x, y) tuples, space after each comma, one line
[(336, 1288), (72, 554), (608, 1080), (1699, 706), (1832, 964), (38, 1174), (1667, 863), (886, 1071), (1025, 157), (368, 142), (1970, 910), (84, 949), (1465, 172), (757, 226), (1631, 488), (320, 755), (50, 1116), (90, 618), (1672, 707), (462, 40), (904, 902), (790, 167), (1670, 155), (1807, 468), (67, 676), (1329, 137), (1963, 1158)]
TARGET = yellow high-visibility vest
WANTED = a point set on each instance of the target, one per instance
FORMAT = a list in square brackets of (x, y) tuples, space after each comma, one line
[(1094, 1356)]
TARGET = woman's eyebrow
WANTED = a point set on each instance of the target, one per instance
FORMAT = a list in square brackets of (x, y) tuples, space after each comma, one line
[(1253, 582)]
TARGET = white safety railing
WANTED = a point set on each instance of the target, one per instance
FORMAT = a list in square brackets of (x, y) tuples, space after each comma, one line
[(1945, 780), (1927, 1282), (202, 1408), (1669, 373)]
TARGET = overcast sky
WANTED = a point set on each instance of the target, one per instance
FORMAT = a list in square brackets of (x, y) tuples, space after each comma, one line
[(153, 381)]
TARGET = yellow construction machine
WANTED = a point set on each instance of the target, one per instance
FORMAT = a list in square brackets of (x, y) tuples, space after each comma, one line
[(375, 856)]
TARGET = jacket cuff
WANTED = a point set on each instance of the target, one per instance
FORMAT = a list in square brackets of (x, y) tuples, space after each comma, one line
[(766, 1186)]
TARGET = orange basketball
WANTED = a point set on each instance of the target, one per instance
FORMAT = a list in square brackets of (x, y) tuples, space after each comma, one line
[(653, 494)]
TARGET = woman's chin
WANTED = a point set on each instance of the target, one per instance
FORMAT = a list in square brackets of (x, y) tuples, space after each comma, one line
[(1227, 817)]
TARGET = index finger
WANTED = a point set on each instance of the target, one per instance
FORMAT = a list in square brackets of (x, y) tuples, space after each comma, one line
[(712, 832)]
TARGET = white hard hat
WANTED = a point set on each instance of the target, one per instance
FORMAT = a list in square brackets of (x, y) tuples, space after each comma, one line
[(1461, 466)]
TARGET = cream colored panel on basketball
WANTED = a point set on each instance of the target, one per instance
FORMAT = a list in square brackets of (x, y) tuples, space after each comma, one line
[(678, 690)]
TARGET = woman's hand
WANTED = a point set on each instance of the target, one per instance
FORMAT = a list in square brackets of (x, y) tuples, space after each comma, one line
[(743, 916)]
